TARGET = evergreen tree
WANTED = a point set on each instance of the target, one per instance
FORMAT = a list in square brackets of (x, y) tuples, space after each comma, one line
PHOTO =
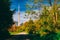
[(5, 18)]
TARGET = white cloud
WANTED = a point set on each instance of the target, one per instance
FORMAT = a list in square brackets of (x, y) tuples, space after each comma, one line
[(22, 14), (22, 19)]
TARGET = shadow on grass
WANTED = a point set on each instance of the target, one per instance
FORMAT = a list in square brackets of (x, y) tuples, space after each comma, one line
[(25, 37), (50, 36), (4, 34)]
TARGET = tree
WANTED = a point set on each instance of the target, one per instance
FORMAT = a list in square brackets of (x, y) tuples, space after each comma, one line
[(5, 18), (49, 18), (30, 8)]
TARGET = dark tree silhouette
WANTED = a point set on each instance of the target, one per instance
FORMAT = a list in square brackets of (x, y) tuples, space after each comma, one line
[(5, 18)]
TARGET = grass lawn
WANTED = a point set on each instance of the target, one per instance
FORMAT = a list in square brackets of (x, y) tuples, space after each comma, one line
[(58, 34), (13, 33)]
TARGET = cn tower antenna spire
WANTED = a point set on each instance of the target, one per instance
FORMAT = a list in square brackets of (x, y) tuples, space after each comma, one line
[(18, 15), (18, 8)]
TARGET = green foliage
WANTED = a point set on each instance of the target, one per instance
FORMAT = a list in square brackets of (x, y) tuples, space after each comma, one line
[(48, 24), (5, 14), (5, 19)]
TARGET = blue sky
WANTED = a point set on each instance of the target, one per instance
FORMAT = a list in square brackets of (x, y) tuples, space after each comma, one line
[(14, 5)]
